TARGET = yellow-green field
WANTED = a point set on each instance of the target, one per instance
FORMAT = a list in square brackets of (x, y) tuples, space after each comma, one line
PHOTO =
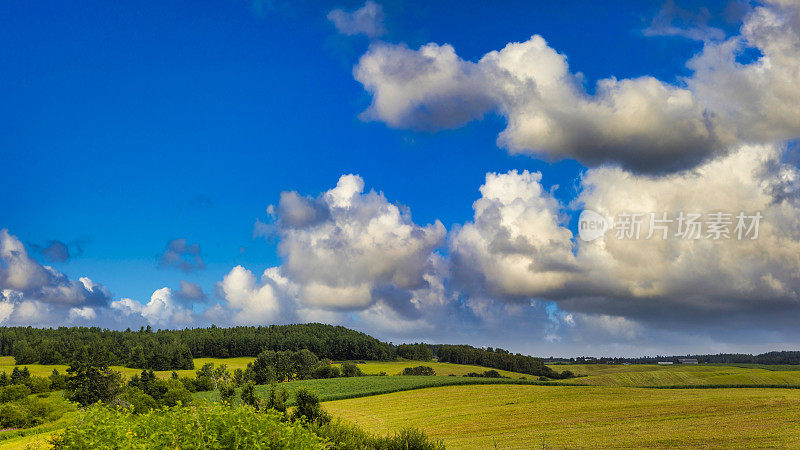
[(596, 374), (513, 416), (694, 375), (395, 367), (7, 365), (369, 368)]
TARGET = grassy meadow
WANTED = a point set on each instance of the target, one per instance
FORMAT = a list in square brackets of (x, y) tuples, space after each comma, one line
[(680, 375), (519, 416)]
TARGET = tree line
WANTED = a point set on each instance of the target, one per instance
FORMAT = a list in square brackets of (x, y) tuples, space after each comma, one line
[(771, 358), (175, 349), (496, 358)]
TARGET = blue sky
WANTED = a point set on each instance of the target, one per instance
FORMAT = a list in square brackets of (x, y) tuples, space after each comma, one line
[(127, 125)]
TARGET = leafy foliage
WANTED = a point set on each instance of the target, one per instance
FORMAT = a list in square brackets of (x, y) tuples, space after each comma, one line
[(419, 370), (209, 426), (308, 408), (346, 436), (351, 370), (30, 411)]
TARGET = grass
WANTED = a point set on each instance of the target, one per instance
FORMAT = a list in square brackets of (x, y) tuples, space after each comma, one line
[(517, 416), (37, 437), (642, 375), (341, 388), (7, 365), (369, 368), (645, 375)]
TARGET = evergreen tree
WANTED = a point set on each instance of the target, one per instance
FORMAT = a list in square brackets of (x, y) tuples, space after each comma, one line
[(90, 380)]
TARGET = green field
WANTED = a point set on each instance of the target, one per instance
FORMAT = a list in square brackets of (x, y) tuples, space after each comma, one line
[(40, 370), (7, 365), (36, 437), (594, 374), (396, 367), (617, 410), (680, 375), (340, 388), (517, 416)]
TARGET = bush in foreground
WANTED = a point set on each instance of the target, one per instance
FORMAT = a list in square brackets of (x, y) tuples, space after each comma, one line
[(207, 426), (346, 436), (32, 411)]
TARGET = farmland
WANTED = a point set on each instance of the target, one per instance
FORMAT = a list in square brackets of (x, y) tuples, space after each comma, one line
[(340, 388), (369, 368), (680, 375), (515, 416), (606, 406)]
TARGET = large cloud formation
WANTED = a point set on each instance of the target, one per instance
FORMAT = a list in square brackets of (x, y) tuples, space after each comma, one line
[(31, 293), (642, 124), (344, 250), (517, 248), (348, 249)]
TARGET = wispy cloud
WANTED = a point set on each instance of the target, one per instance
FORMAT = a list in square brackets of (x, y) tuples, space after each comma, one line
[(367, 20)]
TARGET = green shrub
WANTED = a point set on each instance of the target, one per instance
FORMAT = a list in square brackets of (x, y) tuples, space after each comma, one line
[(419, 370), (188, 384), (176, 392), (38, 384), (136, 399), (14, 415), (227, 392), (32, 411), (308, 408), (325, 371), (249, 395), (14, 392), (411, 438), (277, 399), (205, 426), (346, 436), (57, 381), (351, 370)]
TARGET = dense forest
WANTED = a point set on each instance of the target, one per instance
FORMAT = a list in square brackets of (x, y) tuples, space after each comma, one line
[(174, 349), (496, 359)]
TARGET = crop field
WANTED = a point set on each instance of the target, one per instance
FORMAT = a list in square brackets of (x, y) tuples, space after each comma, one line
[(351, 387), (680, 375), (520, 416)]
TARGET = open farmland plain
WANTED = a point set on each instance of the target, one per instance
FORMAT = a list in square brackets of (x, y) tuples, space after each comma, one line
[(516, 416), (680, 375)]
